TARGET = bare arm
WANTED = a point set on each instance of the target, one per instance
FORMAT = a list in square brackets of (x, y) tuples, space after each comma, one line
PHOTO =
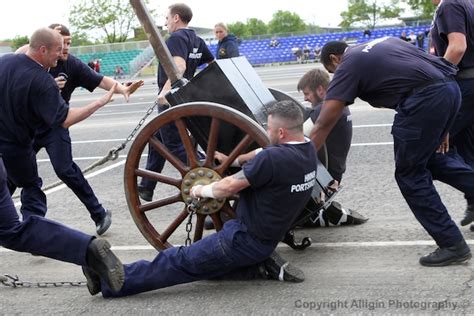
[(223, 188), (456, 48), (330, 112), (107, 83), (181, 64), (75, 115), (240, 160)]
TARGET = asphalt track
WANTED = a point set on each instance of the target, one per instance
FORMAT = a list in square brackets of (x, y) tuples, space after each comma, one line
[(367, 269)]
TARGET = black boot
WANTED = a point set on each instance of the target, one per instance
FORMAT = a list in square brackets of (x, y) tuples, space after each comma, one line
[(144, 194), (93, 281), (458, 253), (468, 215), (277, 268), (101, 260)]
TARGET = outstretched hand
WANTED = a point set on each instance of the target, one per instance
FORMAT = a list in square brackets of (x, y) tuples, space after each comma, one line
[(130, 89), (108, 96)]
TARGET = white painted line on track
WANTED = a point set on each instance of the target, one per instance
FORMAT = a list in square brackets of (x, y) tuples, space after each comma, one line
[(83, 158), (90, 175), (125, 156), (354, 244), (90, 141), (117, 113), (99, 141), (371, 144), (372, 125)]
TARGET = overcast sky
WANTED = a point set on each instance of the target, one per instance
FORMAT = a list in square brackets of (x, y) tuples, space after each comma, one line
[(22, 17)]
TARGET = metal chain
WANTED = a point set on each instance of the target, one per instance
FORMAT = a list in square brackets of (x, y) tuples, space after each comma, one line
[(112, 154), (189, 225), (14, 281), (114, 151)]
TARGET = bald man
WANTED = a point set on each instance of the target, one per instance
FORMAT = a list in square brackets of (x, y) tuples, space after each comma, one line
[(29, 98)]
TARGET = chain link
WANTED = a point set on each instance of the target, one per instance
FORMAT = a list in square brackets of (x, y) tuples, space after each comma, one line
[(15, 282), (113, 153), (189, 225)]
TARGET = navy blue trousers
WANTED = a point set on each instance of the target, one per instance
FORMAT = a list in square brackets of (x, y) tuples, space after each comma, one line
[(231, 253), (20, 161), (462, 132), (168, 135), (420, 124), (57, 143), (38, 235)]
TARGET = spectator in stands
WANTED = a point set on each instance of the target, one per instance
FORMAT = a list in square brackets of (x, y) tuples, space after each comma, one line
[(420, 40), (412, 38), (97, 65), (306, 52), (298, 53), (227, 47), (91, 64), (119, 73), (367, 33), (317, 52), (404, 37), (274, 42)]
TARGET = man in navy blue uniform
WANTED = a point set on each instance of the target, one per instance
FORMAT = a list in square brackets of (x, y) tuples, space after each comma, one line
[(271, 194), (333, 155), (189, 51), (25, 109), (452, 35), (70, 73), (29, 99), (227, 47), (390, 73)]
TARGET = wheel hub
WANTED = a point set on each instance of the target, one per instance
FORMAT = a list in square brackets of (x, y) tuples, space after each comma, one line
[(203, 176)]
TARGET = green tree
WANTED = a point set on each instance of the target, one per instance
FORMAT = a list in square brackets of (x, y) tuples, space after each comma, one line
[(424, 8), (369, 12), (81, 39), (18, 41), (285, 21), (112, 18), (239, 29), (256, 26)]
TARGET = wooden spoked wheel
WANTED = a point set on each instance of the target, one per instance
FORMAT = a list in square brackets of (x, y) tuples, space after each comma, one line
[(195, 171)]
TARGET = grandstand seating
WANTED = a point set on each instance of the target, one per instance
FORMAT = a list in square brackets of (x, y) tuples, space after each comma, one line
[(259, 52), (109, 60)]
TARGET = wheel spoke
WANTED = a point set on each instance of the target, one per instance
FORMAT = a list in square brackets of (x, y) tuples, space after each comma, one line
[(144, 173), (160, 203), (216, 219), (226, 208), (162, 150), (188, 145), (212, 142), (198, 230), (243, 144), (175, 224)]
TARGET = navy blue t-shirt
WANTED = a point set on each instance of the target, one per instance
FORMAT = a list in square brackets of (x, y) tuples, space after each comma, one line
[(337, 143), (29, 98), (454, 16), (281, 180), (384, 71), (187, 45), (79, 75)]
